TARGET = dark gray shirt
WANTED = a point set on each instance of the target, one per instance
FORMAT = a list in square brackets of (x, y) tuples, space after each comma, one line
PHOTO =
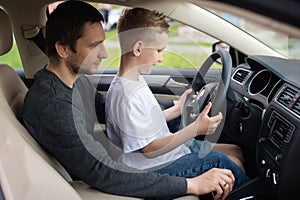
[(62, 120)]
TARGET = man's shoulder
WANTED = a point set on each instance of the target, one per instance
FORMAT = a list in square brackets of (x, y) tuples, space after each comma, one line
[(40, 91), (46, 89)]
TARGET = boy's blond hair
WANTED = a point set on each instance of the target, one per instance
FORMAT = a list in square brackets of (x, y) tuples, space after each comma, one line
[(140, 24), (140, 18)]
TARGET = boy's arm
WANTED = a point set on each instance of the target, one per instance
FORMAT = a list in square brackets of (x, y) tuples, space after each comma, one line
[(165, 144), (172, 112), (203, 125), (176, 110)]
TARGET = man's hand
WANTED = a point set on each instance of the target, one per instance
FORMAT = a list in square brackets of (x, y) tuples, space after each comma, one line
[(219, 181)]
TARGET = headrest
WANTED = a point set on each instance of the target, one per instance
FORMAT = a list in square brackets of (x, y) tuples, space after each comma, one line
[(6, 39)]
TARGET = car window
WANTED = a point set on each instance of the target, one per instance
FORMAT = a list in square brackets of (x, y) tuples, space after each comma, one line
[(12, 58), (267, 33), (187, 47)]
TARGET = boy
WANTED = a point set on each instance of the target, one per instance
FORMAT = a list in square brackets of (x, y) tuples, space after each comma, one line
[(136, 124)]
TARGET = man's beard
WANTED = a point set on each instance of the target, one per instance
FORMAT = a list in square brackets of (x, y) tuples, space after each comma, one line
[(72, 65), (76, 67), (73, 69)]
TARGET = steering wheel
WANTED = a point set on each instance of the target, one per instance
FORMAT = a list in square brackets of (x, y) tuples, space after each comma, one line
[(214, 92)]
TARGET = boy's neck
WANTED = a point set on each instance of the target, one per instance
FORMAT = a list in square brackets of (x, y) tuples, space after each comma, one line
[(129, 70)]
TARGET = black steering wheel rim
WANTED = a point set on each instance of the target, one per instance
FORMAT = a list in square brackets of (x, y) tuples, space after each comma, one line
[(219, 95)]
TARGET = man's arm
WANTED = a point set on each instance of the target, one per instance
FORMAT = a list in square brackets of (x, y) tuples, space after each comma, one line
[(64, 134)]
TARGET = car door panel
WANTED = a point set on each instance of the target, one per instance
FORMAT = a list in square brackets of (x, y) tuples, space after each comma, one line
[(160, 81)]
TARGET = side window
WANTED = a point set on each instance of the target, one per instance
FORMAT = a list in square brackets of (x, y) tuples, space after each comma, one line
[(12, 58), (187, 47)]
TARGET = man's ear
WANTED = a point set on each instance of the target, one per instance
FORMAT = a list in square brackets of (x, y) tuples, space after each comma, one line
[(62, 50), (137, 48)]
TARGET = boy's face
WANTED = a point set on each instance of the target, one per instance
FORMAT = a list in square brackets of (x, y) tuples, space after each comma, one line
[(152, 53)]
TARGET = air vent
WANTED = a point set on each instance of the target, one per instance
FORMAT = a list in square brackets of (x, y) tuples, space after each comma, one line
[(287, 97), (240, 75), (296, 106)]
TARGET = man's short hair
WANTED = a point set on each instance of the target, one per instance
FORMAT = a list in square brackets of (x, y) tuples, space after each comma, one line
[(65, 24)]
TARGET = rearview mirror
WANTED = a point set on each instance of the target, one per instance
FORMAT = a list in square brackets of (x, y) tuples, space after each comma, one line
[(220, 45)]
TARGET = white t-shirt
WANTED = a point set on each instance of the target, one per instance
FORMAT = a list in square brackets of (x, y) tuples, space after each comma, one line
[(133, 120)]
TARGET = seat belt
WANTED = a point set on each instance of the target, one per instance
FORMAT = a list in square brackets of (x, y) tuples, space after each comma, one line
[(36, 35)]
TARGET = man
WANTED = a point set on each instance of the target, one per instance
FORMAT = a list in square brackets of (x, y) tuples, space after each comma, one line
[(59, 112)]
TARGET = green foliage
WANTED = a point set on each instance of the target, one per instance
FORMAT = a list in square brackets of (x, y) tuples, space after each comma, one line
[(12, 58), (171, 59)]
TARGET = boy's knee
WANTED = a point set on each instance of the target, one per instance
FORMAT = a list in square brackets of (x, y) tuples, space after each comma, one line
[(221, 160), (237, 152), (217, 155)]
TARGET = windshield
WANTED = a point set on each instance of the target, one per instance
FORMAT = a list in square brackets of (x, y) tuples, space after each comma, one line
[(281, 42)]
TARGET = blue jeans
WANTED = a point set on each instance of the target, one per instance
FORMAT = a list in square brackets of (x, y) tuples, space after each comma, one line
[(191, 165), (202, 147)]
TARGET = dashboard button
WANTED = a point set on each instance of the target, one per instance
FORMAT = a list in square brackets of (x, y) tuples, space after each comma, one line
[(278, 157), (268, 175)]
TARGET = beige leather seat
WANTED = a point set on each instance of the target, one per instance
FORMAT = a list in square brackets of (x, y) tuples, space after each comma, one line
[(27, 172)]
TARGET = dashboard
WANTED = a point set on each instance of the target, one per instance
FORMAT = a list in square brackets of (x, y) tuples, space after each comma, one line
[(274, 85)]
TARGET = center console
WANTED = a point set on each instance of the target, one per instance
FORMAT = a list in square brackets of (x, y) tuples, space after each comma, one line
[(278, 152), (277, 149), (270, 147), (277, 158)]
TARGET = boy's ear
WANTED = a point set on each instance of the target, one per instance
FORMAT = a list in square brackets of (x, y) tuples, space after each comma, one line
[(137, 48), (62, 50)]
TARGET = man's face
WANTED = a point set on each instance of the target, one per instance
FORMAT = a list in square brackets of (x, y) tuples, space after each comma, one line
[(152, 53), (90, 50)]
